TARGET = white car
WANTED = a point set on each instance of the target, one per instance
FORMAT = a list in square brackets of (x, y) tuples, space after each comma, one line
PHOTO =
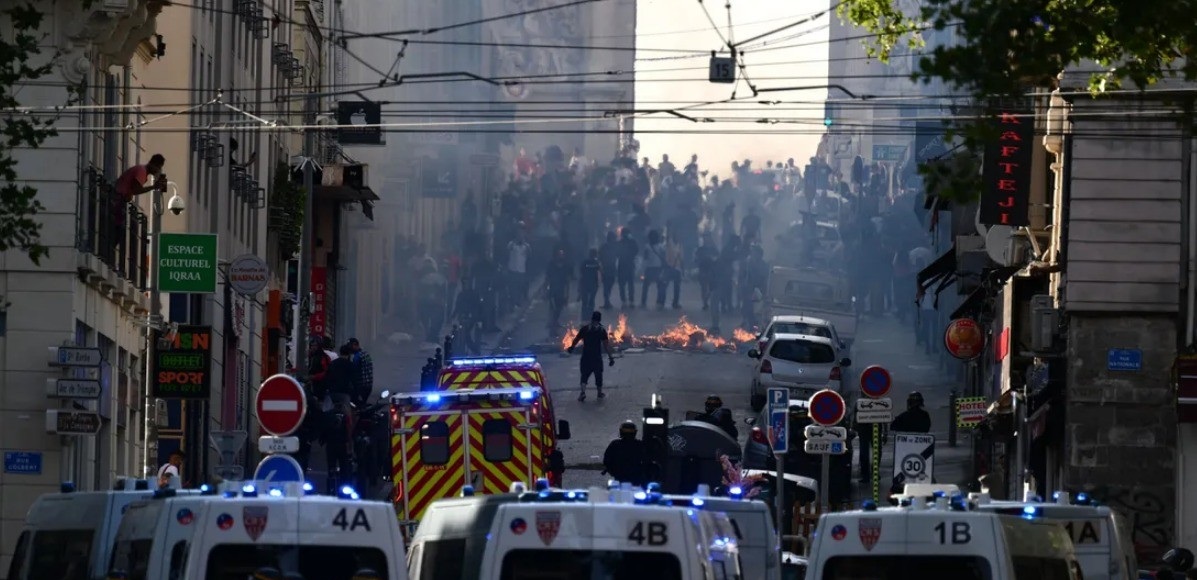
[(795, 324), (803, 363)]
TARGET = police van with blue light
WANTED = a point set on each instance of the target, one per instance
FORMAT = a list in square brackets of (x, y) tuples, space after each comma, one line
[(940, 538), (261, 530), (1099, 534), (615, 533), (70, 534), (752, 523)]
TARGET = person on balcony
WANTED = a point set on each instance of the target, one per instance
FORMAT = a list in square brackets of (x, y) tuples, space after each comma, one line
[(129, 185)]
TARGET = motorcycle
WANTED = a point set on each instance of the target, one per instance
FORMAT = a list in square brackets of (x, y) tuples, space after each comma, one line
[(372, 445)]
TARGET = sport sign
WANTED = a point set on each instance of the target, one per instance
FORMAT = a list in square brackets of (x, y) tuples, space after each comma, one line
[(281, 405), (826, 407), (180, 367), (970, 411), (875, 382)]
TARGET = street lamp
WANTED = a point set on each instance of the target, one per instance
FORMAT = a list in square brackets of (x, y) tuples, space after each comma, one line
[(155, 323)]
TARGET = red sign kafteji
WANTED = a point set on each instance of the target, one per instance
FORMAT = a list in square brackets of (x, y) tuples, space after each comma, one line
[(1007, 172)]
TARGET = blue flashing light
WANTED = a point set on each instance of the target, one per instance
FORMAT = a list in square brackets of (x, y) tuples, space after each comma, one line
[(868, 505), (205, 488), (346, 492), (249, 490), (467, 491), (1082, 498), (938, 494), (697, 502), (1055, 496), (229, 494), (544, 494), (653, 487), (67, 487), (308, 488), (641, 496), (542, 484), (276, 492), (432, 398), (571, 494), (1029, 512), (527, 395), (736, 491)]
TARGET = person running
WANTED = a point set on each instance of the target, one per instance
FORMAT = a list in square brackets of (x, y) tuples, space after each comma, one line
[(594, 341)]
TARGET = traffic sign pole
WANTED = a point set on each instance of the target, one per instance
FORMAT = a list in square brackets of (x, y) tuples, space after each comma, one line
[(779, 403), (876, 463)]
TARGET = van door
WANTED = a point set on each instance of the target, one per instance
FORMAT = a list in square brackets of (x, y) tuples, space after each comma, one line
[(432, 457), (501, 444)]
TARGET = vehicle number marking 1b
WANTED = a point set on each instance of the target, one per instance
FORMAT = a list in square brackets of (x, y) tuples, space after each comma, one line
[(341, 520), (956, 533), (651, 533)]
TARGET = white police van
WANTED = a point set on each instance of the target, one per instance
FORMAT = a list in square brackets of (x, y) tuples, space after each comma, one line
[(612, 534), (263, 530), (1099, 534), (940, 539), (756, 536), (70, 534)]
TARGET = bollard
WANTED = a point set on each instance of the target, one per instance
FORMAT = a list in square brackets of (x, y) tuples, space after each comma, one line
[(952, 418)]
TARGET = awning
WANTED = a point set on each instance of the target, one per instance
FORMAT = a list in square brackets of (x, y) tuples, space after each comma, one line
[(972, 305), (943, 267), (368, 209), (345, 193)]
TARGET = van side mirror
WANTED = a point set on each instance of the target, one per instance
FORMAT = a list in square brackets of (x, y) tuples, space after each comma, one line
[(754, 353), (562, 429), (750, 421), (845, 362)]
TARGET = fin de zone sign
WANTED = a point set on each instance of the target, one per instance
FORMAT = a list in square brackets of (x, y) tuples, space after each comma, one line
[(187, 263)]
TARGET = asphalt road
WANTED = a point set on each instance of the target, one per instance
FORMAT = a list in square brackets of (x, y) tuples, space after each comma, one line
[(685, 378)]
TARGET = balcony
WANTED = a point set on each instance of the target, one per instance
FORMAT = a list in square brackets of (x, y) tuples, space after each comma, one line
[(114, 231)]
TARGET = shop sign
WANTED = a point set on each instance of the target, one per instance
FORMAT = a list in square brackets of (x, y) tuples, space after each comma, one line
[(318, 321), (187, 263), (1006, 195), (964, 339), (183, 371)]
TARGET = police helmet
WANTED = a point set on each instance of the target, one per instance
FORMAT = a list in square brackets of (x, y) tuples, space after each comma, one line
[(714, 401), (1179, 559), (915, 398), (627, 428)]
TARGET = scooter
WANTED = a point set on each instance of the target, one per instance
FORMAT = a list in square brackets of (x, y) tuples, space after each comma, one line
[(372, 445)]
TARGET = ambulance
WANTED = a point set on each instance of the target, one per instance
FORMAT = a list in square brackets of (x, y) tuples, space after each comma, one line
[(1099, 534), (613, 534), (70, 534), (940, 539), (490, 424), (262, 530)]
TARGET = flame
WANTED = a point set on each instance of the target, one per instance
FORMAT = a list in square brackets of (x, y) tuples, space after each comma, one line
[(682, 335)]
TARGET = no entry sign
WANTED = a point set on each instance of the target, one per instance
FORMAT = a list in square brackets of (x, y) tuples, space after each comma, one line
[(281, 405), (826, 407), (875, 382)]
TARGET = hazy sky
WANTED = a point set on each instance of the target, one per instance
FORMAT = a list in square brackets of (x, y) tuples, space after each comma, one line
[(681, 24)]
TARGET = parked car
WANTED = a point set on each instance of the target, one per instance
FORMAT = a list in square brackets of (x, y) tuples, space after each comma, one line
[(802, 363), (809, 325), (759, 455)]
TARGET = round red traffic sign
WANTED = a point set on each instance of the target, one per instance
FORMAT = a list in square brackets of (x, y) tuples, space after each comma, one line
[(964, 339), (281, 405), (826, 408), (875, 382)]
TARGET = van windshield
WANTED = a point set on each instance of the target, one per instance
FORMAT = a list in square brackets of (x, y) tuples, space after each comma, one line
[(239, 561), (802, 352), (64, 554), (800, 328), (589, 565), (907, 568)]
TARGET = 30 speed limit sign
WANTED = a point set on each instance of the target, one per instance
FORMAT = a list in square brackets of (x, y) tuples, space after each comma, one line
[(914, 458), (913, 467)]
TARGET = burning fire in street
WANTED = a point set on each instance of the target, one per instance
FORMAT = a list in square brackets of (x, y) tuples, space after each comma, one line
[(682, 335)]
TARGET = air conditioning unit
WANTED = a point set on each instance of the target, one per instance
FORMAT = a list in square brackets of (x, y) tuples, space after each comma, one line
[(1045, 320)]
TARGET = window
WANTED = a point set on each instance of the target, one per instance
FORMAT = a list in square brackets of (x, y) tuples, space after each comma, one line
[(589, 565), (434, 443), (496, 440), (238, 561), (178, 559), (800, 328), (132, 557), (1031, 568), (442, 559), (907, 568), (61, 554), (809, 291), (802, 352), (18, 557)]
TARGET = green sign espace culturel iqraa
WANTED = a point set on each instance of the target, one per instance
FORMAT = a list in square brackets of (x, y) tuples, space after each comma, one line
[(187, 263)]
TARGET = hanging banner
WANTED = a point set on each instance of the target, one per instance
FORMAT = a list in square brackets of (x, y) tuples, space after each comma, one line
[(318, 321), (1006, 177)]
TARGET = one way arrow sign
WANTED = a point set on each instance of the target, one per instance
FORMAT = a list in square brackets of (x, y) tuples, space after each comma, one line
[(439, 178), (444, 178)]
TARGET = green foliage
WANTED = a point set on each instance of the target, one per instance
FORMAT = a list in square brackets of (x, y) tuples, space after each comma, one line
[(286, 213), (19, 228)]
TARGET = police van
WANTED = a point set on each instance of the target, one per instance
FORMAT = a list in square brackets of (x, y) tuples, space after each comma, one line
[(752, 523), (70, 534), (939, 539), (263, 530), (1099, 534), (580, 534)]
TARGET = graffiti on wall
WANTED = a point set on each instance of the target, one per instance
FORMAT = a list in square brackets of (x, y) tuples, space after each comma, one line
[(1148, 515)]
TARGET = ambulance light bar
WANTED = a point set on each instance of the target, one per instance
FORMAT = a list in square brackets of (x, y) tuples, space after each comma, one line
[(466, 396), (488, 361), (67, 487)]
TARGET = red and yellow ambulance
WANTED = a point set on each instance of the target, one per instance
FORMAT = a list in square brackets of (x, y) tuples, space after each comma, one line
[(489, 425)]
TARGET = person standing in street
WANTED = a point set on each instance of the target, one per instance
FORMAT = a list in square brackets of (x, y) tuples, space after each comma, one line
[(915, 419), (172, 468), (363, 372), (557, 278), (626, 275), (517, 269), (626, 458), (595, 340), (589, 274), (609, 259)]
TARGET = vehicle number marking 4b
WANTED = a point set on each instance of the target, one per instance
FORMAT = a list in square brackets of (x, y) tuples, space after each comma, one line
[(342, 520), (651, 533), (956, 533)]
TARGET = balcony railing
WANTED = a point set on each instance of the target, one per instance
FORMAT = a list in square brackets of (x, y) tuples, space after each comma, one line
[(115, 231)]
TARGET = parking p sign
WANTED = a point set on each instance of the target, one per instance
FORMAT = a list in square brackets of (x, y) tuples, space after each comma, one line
[(779, 419)]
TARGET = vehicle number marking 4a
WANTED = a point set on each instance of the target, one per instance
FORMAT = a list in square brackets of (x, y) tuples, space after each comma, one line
[(651, 533), (954, 532), (1084, 531), (347, 524)]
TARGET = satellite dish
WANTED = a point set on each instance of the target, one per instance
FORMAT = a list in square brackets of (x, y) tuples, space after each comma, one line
[(981, 229), (1002, 246)]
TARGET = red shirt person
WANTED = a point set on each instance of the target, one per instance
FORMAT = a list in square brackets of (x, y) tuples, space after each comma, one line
[(131, 183)]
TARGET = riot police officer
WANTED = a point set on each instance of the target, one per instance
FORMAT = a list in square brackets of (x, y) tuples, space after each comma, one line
[(626, 457), (915, 418), (718, 416)]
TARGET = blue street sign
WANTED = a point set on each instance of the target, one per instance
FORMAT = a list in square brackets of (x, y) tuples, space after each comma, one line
[(837, 447), (23, 462), (279, 468), (875, 382), (779, 419), (1124, 359), (779, 398)]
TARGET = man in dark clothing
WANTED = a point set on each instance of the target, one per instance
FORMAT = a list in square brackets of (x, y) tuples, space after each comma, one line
[(705, 257), (339, 441), (557, 279), (914, 419), (318, 362), (609, 260), (719, 416), (626, 274), (626, 458), (589, 274), (594, 341)]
